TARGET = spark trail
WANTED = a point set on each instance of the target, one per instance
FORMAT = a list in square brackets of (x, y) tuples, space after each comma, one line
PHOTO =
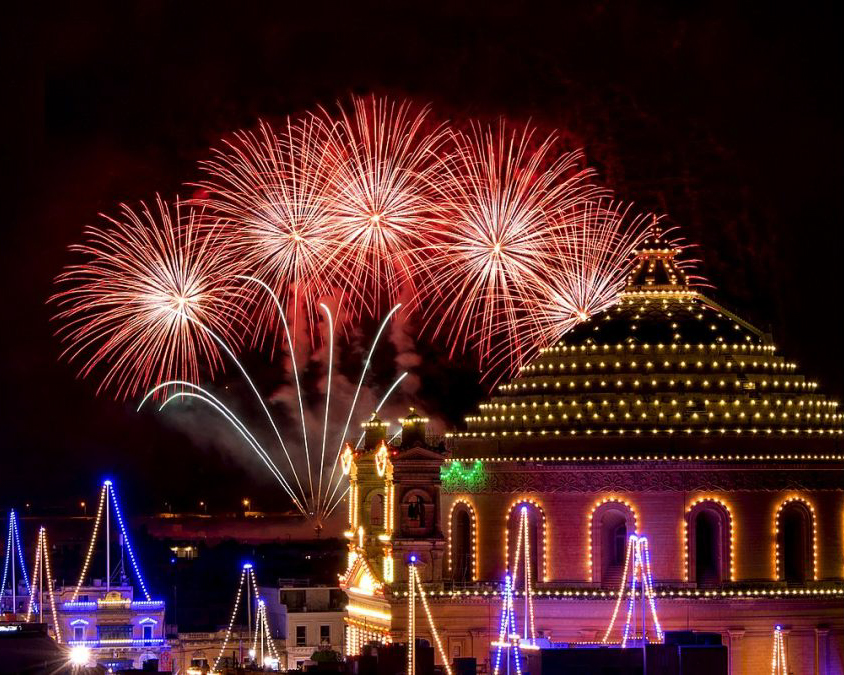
[(319, 499)]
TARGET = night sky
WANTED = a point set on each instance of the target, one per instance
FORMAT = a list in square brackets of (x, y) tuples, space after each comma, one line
[(726, 119)]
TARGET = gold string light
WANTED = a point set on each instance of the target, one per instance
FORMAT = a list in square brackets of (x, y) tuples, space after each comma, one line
[(466, 502), (790, 500), (730, 528), (536, 504), (590, 526), (102, 505)]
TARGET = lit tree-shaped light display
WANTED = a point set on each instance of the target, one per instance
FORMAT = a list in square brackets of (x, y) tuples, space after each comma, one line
[(414, 586), (262, 643), (108, 494), (779, 665), (639, 555), (508, 638)]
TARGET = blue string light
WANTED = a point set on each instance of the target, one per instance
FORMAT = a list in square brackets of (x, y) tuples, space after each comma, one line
[(652, 595), (14, 530), (641, 568), (8, 552), (134, 642), (637, 561), (507, 628), (138, 575)]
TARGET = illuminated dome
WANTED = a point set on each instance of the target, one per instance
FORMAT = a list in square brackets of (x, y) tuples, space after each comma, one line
[(666, 362)]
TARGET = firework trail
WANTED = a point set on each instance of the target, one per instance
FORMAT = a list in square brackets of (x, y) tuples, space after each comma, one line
[(499, 194), (271, 191), (381, 163), (133, 307), (315, 499)]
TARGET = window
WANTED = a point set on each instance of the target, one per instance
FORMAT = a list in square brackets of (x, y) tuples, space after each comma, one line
[(301, 636), (325, 634), (418, 512), (147, 632), (461, 545), (376, 510), (114, 632), (79, 633)]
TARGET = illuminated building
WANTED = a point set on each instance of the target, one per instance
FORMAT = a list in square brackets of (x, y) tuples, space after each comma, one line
[(120, 630), (306, 618), (667, 416)]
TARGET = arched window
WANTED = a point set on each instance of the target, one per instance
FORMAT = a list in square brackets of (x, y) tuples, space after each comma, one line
[(709, 541), (375, 500), (462, 539), (418, 513), (537, 541), (612, 521), (795, 545)]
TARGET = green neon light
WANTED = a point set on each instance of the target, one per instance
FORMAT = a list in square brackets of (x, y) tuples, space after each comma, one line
[(456, 477)]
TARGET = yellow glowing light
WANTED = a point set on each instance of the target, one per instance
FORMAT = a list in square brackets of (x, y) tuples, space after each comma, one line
[(358, 610), (528, 501), (805, 502), (465, 502)]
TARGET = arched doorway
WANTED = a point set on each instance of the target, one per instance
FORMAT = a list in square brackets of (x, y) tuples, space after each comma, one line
[(537, 543), (709, 540), (795, 545), (461, 545), (612, 523)]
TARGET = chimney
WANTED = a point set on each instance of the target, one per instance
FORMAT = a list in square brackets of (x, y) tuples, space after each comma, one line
[(413, 429), (374, 432)]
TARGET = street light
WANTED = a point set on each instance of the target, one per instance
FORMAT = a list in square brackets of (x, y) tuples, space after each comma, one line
[(84, 507), (246, 503)]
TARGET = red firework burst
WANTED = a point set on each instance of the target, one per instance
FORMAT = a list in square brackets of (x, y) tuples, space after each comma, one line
[(142, 304), (499, 196), (381, 159), (596, 244), (271, 190)]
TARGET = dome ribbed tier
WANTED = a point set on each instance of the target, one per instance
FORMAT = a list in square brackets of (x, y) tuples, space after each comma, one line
[(665, 361)]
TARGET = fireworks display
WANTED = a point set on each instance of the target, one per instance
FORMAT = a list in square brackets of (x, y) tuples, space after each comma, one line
[(497, 238), (143, 303), (594, 260), (269, 190), (501, 233), (329, 207), (382, 163)]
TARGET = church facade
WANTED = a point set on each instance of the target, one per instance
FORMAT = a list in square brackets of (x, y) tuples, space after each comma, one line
[(667, 417)]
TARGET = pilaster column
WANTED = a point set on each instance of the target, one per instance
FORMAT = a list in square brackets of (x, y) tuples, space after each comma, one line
[(821, 650), (736, 635), (786, 630)]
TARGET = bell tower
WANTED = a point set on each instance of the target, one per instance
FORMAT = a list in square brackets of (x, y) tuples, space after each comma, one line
[(394, 500)]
